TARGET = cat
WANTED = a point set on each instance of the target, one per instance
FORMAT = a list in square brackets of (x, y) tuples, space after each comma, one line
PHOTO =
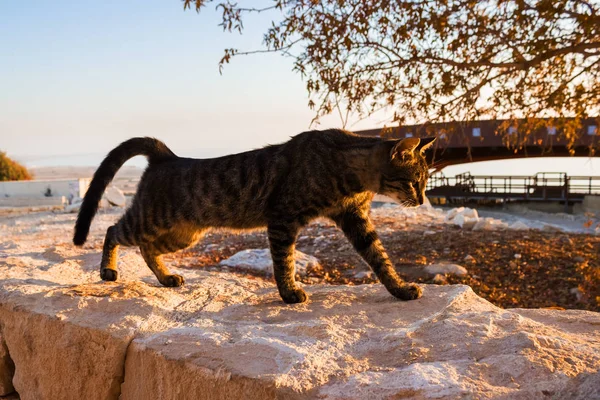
[(331, 173)]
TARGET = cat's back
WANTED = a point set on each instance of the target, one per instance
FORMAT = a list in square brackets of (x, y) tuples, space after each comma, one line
[(237, 189)]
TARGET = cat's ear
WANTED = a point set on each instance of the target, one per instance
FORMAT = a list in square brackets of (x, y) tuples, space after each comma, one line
[(425, 144), (404, 147)]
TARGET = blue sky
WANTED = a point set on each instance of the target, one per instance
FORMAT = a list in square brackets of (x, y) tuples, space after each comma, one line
[(77, 78)]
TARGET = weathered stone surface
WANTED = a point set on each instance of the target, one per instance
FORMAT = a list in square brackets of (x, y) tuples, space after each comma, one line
[(56, 359), (7, 369), (226, 336)]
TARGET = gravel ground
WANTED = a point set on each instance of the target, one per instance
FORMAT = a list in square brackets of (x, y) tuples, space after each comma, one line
[(527, 269)]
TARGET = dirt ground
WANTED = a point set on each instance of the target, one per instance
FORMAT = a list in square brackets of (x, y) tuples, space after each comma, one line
[(509, 268)]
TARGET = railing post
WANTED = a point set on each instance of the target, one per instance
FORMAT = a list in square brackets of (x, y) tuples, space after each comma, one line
[(566, 193)]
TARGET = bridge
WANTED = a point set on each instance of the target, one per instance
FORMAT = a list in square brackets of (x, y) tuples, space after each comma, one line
[(463, 142)]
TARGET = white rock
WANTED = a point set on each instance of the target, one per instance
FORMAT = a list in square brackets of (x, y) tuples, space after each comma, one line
[(517, 256), (469, 258), (489, 224), (260, 260), (115, 196), (464, 211), (578, 293), (446, 268), (364, 274), (518, 226), (73, 208), (463, 217), (551, 228), (470, 213), (464, 222), (453, 213)]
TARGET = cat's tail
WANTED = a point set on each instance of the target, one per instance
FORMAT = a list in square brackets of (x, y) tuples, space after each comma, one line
[(156, 152)]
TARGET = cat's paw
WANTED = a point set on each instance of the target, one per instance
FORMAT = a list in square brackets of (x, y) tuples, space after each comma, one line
[(107, 274), (294, 296), (408, 291), (173, 280)]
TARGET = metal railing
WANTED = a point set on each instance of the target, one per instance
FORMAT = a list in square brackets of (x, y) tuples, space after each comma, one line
[(551, 186)]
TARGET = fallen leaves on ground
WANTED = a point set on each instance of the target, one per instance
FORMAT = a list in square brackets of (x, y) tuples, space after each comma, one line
[(508, 268)]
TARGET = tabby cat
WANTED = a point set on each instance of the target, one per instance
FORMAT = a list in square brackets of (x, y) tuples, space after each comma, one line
[(330, 173)]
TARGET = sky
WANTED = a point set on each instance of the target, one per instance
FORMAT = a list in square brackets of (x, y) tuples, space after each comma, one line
[(77, 78)]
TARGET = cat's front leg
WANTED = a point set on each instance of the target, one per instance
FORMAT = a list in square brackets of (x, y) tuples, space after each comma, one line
[(360, 231), (282, 241)]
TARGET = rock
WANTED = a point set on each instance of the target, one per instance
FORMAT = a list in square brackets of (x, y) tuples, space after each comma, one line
[(518, 226), (82, 361), (517, 256), (7, 370), (364, 274), (464, 222), (429, 233), (551, 228), (115, 196), (463, 217), (453, 213), (489, 224), (226, 336), (73, 208), (578, 293), (469, 258), (260, 260), (446, 268), (464, 211)]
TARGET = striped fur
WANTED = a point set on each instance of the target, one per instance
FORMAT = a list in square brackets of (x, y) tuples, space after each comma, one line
[(329, 173)]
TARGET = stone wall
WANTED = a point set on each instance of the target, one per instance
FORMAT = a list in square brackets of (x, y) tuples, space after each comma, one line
[(229, 337)]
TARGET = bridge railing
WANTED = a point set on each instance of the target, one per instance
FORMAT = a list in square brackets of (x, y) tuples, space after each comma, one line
[(584, 184), (541, 186)]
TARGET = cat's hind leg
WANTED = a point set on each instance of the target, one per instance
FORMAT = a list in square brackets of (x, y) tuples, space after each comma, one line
[(170, 242), (153, 258), (126, 232), (108, 265)]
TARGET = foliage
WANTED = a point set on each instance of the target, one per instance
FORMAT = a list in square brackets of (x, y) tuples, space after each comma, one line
[(438, 60), (11, 170)]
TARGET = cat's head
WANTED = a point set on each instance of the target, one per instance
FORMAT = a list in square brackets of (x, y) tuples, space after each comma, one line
[(405, 173)]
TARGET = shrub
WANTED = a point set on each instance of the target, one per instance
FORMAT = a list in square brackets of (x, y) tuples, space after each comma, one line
[(11, 170)]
